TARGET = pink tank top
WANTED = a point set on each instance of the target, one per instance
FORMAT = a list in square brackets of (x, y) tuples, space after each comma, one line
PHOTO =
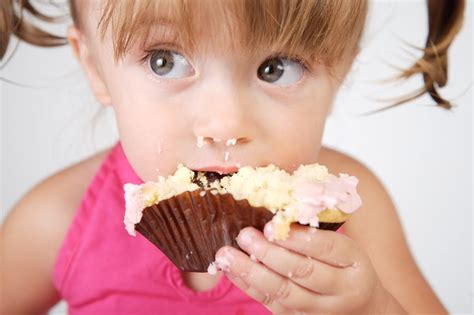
[(100, 269)]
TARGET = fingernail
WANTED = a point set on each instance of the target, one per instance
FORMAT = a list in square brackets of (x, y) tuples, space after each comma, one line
[(245, 238), (224, 260), (268, 231)]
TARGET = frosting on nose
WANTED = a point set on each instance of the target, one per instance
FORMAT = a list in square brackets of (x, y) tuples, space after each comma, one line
[(230, 142), (200, 141)]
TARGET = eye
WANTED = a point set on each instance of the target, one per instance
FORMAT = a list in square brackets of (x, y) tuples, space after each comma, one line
[(280, 71), (168, 64)]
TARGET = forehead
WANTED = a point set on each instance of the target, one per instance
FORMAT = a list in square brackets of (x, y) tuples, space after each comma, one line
[(321, 29)]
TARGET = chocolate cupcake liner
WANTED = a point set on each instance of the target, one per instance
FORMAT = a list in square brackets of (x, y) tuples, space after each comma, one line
[(191, 227), (330, 226)]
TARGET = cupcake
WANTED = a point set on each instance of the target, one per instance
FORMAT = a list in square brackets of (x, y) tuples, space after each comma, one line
[(190, 215)]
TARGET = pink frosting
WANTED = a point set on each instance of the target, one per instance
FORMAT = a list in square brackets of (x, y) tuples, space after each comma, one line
[(332, 193), (134, 204)]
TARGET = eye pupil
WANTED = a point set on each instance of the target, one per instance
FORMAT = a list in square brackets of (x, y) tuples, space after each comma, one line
[(162, 62), (271, 70)]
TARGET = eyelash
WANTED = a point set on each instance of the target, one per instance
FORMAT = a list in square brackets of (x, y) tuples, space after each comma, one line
[(298, 59), (165, 46), (149, 52)]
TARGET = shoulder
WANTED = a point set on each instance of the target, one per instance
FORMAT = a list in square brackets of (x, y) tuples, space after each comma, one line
[(377, 206), (33, 232), (377, 230), (339, 162), (57, 197)]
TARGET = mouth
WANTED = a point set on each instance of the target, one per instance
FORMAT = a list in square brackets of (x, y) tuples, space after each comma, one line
[(221, 170), (212, 174)]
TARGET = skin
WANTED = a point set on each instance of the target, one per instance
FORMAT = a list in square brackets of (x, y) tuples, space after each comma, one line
[(317, 272)]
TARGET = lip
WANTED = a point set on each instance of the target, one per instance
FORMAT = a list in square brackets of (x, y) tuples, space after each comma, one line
[(223, 170)]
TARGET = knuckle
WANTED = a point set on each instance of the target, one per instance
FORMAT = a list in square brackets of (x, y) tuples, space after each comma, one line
[(267, 300), (283, 291), (304, 270)]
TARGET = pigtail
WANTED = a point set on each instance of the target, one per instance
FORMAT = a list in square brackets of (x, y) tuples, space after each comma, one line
[(445, 18), (13, 21)]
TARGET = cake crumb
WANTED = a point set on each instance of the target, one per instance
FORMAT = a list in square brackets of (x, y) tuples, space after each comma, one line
[(214, 192), (202, 193), (212, 269), (290, 274), (253, 258), (200, 141), (230, 142)]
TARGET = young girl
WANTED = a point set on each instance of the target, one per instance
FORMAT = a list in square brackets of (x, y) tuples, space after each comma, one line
[(264, 73)]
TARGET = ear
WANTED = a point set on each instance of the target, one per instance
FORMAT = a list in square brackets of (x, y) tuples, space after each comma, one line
[(83, 54)]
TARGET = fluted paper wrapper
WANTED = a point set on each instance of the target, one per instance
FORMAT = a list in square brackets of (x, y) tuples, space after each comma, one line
[(189, 228)]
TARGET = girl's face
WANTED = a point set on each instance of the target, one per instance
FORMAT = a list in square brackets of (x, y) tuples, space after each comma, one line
[(216, 109)]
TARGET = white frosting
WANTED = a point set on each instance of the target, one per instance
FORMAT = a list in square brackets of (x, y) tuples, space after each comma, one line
[(200, 141), (212, 269), (230, 142)]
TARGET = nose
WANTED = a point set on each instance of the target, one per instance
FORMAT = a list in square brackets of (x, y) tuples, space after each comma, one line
[(225, 114)]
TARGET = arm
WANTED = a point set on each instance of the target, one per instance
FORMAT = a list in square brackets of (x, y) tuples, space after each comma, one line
[(30, 238), (32, 235), (376, 228)]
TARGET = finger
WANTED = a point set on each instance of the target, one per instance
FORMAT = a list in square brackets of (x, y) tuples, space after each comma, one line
[(271, 305), (277, 288), (327, 246), (309, 273)]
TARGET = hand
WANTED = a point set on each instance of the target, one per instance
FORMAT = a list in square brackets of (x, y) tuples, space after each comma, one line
[(313, 271)]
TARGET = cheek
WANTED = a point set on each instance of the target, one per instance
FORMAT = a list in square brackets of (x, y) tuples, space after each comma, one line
[(296, 130), (150, 144), (297, 139), (148, 123)]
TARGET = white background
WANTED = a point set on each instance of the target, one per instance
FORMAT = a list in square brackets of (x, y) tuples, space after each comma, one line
[(422, 154)]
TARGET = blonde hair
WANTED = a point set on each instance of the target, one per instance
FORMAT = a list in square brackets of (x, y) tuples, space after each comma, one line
[(307, 27), (324, 30)]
